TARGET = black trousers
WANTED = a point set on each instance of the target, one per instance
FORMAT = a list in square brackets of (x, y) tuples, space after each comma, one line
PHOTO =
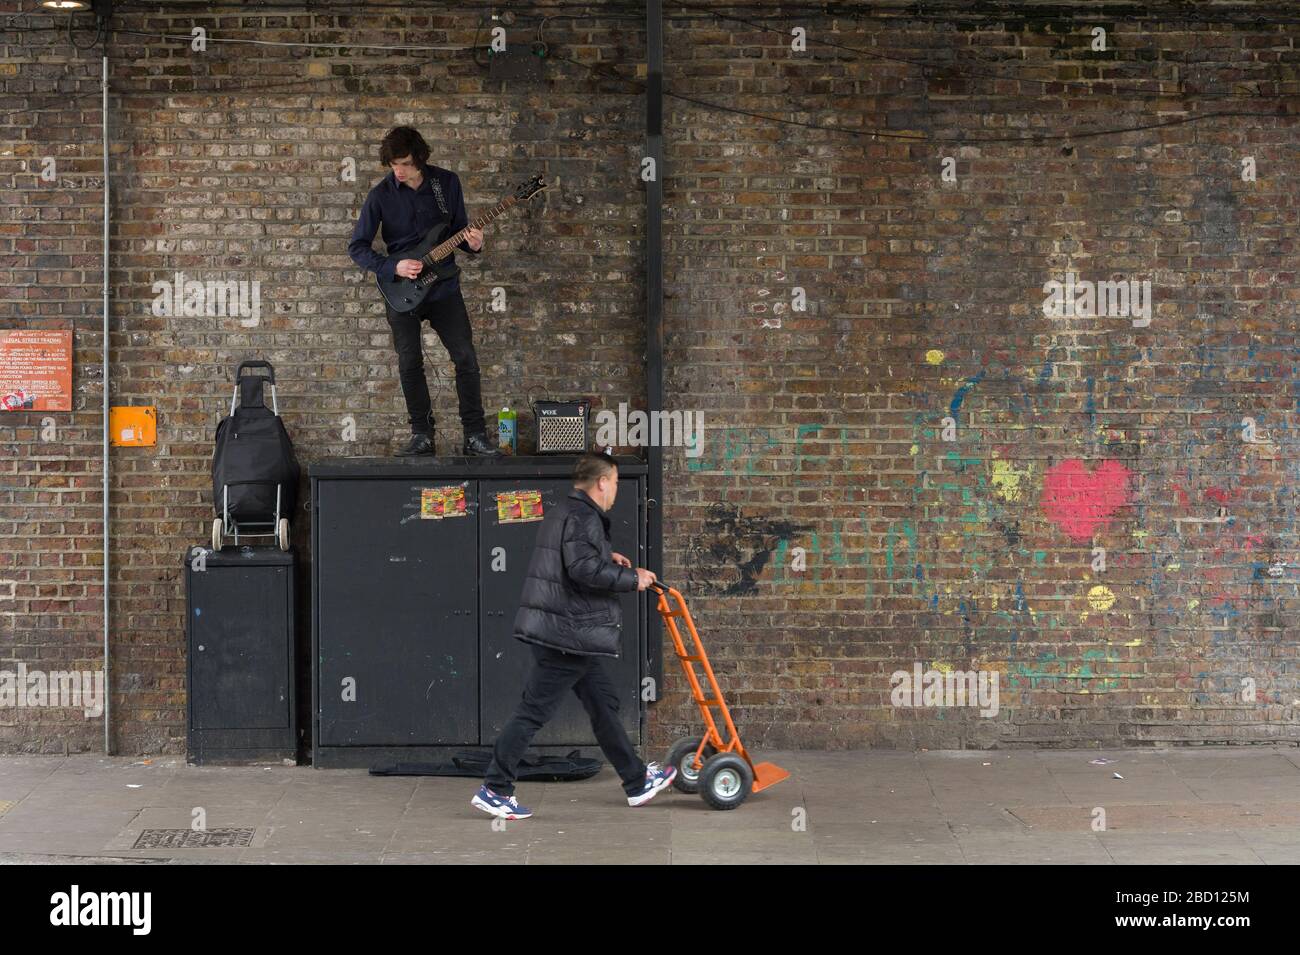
[(554, 674), (449, 319)]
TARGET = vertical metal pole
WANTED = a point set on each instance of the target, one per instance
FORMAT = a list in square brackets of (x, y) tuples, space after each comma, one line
[(108, 683), (654, 317)]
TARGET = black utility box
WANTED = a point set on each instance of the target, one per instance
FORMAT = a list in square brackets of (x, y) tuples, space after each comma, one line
[(417, 567), (240, 671)]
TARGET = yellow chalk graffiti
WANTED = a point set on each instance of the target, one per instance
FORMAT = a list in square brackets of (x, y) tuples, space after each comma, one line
[(1006, 479), (1101, 598)]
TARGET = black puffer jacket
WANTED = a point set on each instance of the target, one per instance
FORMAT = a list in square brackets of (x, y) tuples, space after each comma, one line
[(570, 596)]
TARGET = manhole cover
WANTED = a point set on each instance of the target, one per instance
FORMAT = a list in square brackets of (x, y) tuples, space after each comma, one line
[(194, 839)]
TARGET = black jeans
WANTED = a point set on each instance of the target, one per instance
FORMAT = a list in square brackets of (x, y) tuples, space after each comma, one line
[(554, 673), (449, 319)]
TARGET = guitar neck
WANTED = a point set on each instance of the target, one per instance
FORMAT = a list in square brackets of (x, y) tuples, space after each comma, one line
[(446, 246)]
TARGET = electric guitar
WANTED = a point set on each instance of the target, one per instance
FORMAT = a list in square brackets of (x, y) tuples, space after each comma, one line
[(435, 251)]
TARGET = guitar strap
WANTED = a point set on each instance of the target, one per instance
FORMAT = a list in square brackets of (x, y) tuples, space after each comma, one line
[(436, 186)]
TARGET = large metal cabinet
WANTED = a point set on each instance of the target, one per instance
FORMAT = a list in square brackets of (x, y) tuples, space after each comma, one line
[(239, 627), (413, 614)]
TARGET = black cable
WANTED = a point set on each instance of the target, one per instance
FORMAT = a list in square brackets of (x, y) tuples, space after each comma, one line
[(891, 134), (1032, 138), (99, 35), (964, 11), (965, 73), (352, 7), (713, 14), (389, 48), (926, 67), (383, 69), (959, 10), (607, 72), (478, 31), (440, 380), (902, 10)]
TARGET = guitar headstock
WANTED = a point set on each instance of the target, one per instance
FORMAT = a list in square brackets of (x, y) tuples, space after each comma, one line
[(529, 189)]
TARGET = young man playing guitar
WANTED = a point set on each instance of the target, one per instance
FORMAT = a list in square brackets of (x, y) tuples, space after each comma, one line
[(408, 202)]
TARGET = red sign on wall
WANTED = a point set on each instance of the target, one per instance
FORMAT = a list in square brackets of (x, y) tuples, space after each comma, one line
[(35, 370)]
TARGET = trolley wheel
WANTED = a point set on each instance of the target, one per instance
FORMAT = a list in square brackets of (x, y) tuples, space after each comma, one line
[(682, 755), (726, 781), (216, 534), (284, 533)]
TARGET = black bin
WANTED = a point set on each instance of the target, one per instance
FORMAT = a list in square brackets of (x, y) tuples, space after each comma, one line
[(240, 670)]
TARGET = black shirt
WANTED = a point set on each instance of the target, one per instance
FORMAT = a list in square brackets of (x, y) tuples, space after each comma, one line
[(406, 216)]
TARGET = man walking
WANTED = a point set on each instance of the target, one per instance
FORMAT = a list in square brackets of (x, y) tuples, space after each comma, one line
[(570, 616), (409, 201)]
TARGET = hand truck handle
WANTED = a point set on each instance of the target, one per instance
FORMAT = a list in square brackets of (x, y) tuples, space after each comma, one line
[(255, 363)]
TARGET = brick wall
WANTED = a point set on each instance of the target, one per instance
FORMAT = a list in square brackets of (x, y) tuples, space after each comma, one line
[(831, 299)]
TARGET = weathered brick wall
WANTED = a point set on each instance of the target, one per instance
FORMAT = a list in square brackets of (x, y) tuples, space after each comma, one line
[(834, 530)]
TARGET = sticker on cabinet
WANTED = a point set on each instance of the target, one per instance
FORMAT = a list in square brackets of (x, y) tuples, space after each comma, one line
[(517, 507), (439, 502)]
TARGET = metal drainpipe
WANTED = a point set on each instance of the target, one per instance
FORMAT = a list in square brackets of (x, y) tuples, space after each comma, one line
[(108, 691), (654, 319)]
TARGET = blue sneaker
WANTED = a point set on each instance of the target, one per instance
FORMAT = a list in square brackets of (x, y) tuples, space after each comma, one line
[(656, 778), (506, 807)]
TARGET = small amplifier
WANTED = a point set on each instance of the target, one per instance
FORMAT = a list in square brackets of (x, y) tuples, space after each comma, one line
[(561, 426)]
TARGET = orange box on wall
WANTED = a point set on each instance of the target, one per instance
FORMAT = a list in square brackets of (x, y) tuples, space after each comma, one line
[(133, 427)]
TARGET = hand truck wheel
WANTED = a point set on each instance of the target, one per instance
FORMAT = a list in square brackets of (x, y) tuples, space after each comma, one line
[(284, 533), (216, 534), (682, 755), (726, 781)]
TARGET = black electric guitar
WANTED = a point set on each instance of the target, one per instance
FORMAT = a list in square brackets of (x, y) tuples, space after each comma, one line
[(435, 253)]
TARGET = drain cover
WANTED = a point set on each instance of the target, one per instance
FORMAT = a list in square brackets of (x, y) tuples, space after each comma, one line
[(194, 839)]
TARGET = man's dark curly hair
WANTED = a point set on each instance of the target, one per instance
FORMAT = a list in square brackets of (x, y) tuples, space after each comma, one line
[(403, 141)]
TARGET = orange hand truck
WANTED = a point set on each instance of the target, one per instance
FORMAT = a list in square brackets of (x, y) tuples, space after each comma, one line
[(722, 773)]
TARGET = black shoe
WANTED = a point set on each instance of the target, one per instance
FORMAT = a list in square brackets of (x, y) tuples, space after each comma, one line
[(477, 445), (419, 444)]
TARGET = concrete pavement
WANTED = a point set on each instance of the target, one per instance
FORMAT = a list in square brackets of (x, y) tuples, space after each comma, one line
[(1237, 805)]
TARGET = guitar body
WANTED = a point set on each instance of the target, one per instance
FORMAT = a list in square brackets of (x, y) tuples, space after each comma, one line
[(402, 294), (436, 253)]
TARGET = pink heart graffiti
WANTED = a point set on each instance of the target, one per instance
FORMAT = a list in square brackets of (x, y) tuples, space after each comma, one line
[(1079, 501)]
